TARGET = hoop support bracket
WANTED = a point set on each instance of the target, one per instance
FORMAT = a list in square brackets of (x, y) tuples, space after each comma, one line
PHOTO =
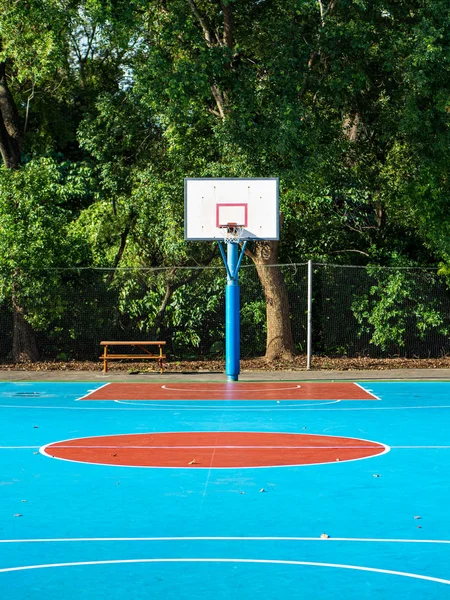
[(232, 275)]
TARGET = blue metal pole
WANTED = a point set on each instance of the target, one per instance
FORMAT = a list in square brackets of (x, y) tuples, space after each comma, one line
[(232, 315)]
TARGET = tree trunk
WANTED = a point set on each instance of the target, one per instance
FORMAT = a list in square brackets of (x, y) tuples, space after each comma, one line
[(123, 243), (279, 342), (24, 340), (170, 288), (10, 131)]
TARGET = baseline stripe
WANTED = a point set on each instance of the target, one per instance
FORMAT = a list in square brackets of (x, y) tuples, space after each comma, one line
[(224, 538), (156, 408), (93, 391), (367, 391)]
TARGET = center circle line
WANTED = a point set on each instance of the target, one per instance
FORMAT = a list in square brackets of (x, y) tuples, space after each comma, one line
[(73, 447), (227, 560)]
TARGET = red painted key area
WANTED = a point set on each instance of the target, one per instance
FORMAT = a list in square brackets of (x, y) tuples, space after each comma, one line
[(213, 449), (267, 390)]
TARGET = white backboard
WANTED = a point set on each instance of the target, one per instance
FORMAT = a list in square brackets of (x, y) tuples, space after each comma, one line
[(250, 203)]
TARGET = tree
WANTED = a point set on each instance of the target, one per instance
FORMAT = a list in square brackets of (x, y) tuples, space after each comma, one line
[(203, 81), (19, 63), (313, 93), (51, 69), (346, 102), (384, 84), (36, 244)]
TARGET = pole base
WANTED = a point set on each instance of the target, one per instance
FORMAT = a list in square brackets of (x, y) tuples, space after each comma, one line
[(232, 377)]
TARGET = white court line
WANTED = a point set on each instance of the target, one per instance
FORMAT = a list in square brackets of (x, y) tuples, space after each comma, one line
[(218, 447), (204, 468), (422, 447), (17, 447), (227, 560), (205, 487), (46, 449), (251, 447), (292, 408), (208, 538), (93, 391), (152, 403), (366, 390), (232, 389), (157, 433)]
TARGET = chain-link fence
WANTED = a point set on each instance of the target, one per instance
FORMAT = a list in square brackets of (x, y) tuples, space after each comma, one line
[(380, 312), (370, 311)]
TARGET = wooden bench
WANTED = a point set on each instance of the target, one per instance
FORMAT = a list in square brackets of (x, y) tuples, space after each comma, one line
[(141, 345)]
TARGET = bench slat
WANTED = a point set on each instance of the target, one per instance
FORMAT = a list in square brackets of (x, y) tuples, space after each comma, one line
[(132, 343), (154, 356)]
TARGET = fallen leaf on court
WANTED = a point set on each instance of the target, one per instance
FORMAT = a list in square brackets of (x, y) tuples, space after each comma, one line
[(262, 490), (324, 536), (113, 454), (338, 459), (23, 500), (35, 426), (417, 517), (35, 452), (193, 462), (376, 475), (419, 526), (18, 515)]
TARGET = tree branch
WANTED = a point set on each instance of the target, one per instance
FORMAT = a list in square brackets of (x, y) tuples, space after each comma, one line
[(121, 250), (250, 254), (321, 12), (27, 111), (324, 11), (209, 37), (227, 24), (218, 97), (349, 250), (90, 39)]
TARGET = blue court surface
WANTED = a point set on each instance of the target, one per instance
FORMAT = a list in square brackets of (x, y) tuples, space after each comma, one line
[(375, 527)]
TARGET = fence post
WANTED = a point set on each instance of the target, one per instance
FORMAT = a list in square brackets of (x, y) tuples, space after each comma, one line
[(309, 320)]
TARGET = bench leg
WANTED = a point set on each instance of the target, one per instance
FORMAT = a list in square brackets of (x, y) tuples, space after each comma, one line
[(105, 360)]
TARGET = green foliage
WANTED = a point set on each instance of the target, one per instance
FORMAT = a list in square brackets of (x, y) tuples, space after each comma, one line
[(346, 102), (35, 237), (32, 37), (188, 299), (396, 304), (253, 326)]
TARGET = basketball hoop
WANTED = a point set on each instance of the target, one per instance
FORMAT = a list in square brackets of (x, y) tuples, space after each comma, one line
[(232, 233)]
